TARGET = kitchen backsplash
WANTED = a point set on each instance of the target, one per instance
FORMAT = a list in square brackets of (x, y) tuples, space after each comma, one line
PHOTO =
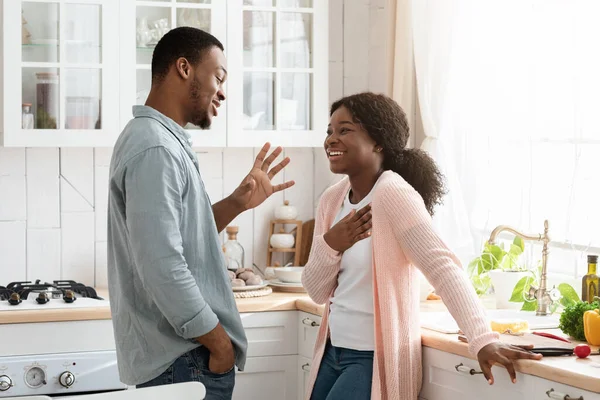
[(53, 201)]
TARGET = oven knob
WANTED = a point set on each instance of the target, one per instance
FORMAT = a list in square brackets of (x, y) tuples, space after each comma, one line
[(14, 299), (69, 297), (66, 379), (5, 383), (42, 298)]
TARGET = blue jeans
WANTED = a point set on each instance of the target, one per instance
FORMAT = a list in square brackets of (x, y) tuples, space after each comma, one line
[(193, 366), (344, 374)]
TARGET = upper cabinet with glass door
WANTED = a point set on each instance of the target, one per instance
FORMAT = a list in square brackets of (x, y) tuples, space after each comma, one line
[(145, 23), (278, 72), (60, 79)]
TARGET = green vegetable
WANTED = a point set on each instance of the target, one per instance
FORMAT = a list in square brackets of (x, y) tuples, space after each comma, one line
[(571, 319)]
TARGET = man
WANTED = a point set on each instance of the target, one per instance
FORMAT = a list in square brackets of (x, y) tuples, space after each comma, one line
[(173, 309)]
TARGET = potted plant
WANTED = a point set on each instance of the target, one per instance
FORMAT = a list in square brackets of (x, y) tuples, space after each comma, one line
[(500, 269), (564, 295)]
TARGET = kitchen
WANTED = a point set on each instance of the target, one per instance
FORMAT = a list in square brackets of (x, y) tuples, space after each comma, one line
[(53, 188)]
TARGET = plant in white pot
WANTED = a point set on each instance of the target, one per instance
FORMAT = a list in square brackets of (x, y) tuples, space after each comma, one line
[(500, 269)]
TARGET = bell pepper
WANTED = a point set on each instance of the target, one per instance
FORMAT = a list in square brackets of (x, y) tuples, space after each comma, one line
[(591, 327)]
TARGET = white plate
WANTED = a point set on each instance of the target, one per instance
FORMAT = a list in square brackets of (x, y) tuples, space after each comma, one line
[(277, 282), (248, 288)]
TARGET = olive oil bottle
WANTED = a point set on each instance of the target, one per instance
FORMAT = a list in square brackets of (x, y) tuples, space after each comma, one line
[(590, 281)]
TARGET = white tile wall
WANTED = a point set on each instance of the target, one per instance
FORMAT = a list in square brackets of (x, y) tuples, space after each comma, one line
[(53, 201)]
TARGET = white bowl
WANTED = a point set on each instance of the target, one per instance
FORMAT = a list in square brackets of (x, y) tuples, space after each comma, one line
[(289, 274)]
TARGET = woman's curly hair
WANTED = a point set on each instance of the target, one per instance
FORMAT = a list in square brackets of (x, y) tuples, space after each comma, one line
[(385, 121)]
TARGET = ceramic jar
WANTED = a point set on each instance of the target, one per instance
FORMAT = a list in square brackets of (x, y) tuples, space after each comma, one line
[(286, 212), (282, 240)]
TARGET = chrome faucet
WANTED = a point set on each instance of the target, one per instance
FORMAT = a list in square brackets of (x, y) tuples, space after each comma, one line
[(543, 296)]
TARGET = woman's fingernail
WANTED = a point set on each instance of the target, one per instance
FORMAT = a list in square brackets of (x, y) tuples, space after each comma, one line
[(490, 381), (514, 380)]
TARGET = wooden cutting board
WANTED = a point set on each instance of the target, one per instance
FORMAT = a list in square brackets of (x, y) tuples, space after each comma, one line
[(535, 340), (308, 229)]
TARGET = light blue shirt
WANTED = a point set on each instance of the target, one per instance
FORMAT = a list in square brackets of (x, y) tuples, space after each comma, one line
[(166, 272)]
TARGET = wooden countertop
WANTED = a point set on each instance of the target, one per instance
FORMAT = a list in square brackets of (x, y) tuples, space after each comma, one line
[(567, 370)]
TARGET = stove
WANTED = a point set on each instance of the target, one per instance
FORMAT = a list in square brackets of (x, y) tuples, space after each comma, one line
[(55, 358), (38, 295)]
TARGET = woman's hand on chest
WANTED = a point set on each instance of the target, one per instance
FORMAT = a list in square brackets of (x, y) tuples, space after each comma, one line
[(352, 228)]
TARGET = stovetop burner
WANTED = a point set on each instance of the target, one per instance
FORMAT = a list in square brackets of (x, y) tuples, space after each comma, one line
[(55, 290)]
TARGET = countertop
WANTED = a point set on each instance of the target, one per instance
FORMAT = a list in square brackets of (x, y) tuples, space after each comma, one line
[(567, 370)]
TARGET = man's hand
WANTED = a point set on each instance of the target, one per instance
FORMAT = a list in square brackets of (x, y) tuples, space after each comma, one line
[(218, 343), (221, 360), (350, 229), (256, 186), (505, 355)]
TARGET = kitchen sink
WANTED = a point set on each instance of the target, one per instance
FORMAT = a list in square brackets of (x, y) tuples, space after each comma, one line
[(443, 321)]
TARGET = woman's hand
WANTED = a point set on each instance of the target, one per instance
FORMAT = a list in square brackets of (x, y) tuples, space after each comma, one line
[(503, 354), (350, 229)]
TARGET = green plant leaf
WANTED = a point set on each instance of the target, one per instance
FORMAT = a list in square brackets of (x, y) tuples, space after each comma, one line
[(569, 295), (515, 250), (520, 287), (492, 256), (519, 242), (528, 306), (554, 307), (473, 268)]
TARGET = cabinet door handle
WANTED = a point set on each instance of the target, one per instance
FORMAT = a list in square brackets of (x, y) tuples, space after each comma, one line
[(464, 369), (553, 394), (310, 322), (306, 367)]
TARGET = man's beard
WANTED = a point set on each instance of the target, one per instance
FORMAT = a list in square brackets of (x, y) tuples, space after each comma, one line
[(202, 119)]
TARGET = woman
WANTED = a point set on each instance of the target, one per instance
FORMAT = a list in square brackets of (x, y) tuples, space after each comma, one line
[(372, 229)]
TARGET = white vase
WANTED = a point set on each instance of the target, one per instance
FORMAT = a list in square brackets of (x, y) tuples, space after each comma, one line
[(504, 283)]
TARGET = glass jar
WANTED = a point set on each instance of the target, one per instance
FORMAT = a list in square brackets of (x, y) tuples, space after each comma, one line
[(234, 252), (46, 114), (26, 116)]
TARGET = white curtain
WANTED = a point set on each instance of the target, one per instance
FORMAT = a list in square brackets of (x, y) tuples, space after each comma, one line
[(435, 31), (509, 92)]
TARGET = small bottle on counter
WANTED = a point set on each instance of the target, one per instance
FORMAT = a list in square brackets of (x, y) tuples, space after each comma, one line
[(590, 281), (234, 252)]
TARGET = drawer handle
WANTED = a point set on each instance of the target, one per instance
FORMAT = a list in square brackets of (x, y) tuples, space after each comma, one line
[(561, 396), (310, 322), (306, 367), (464, 369)]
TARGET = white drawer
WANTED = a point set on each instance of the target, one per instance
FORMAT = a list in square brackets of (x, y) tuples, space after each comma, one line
[(448, 377), (544, 389), (271, 333), (308, 328)]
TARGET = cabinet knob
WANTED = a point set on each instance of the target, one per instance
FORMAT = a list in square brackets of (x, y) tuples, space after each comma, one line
[(553, 394), (466, 370), (306, 367), (310, 322)]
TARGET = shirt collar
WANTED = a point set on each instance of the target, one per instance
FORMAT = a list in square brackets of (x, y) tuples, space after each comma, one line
[(172, 126)]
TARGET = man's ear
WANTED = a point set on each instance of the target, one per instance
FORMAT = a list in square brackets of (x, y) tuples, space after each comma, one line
[(183, 67)]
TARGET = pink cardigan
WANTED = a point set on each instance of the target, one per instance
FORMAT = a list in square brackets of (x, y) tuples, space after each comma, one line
[(402, 236)]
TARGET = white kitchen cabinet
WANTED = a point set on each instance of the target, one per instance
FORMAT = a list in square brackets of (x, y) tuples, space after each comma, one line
[(271, 333), (83, 64), (278, 80), (304, 365), (267, 378), (60, 78), (448, 377), (544, 389)]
